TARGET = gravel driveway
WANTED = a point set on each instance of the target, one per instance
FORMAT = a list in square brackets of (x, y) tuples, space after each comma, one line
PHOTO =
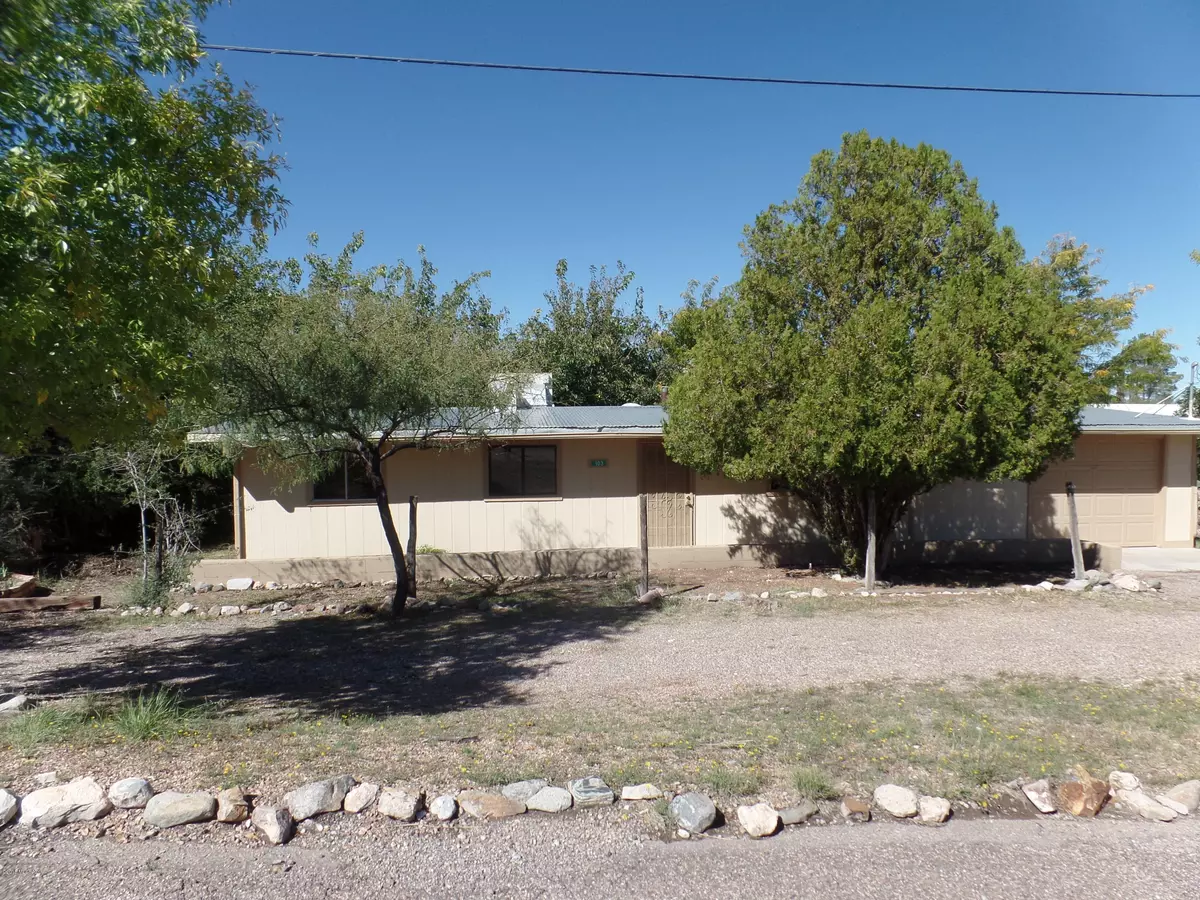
[(709, 649), (584, 856)]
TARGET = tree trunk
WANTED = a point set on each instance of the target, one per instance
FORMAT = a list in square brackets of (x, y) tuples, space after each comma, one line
[(159, 548), (872, 542), (412, 545), (371, 456)]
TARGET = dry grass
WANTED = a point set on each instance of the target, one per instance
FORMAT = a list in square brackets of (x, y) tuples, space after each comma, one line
[(953, 741)]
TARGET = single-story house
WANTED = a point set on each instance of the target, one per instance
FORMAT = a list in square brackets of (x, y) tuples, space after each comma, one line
[(559, 493)]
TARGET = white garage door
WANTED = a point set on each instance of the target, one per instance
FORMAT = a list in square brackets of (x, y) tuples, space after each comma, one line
[(1117, 481)]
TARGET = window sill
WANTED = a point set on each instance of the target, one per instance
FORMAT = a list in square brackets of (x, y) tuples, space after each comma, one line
[(315, 502), (538, 498)]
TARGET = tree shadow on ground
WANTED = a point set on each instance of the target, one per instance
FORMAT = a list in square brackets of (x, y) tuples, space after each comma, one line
[(430, 661)]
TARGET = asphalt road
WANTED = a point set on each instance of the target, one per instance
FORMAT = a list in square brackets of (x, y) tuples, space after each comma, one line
[(587, 856)]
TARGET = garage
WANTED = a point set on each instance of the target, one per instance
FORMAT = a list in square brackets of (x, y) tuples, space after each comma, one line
[(1118, 484)]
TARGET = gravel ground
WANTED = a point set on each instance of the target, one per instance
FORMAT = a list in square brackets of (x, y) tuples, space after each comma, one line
[(583, 855), (698, 649)]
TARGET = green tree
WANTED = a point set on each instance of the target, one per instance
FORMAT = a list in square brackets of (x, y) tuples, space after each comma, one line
[(885, 337), (598, 352), (130, 173), (1139, 368), (357, 365)]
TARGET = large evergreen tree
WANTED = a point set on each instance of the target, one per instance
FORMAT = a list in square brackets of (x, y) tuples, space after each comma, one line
[(886, 336)]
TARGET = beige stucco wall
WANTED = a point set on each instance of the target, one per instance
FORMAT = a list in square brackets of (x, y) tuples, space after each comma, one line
[(596, 507), (1179, 490)]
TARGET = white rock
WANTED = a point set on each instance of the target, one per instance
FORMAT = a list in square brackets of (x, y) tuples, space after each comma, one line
[(1045, 585), (523, 790), (185, 608), (130, 793), (239, 584), (14, 704), (1123, 781), (171, 808), (1174, 805), (1144, 806), (820, 592), (232, 806), (895, 800), (9, 805), (81, 800), (318, 797), (274, 822), (640, 792), (765, 595), (231, 610), (444, 808), (550, 800), (1075, 585), (758, 820), (398, 803), (1039, 795), (45, 779), (361, 797), (1127, 582), (1187, 794), (933, 810)]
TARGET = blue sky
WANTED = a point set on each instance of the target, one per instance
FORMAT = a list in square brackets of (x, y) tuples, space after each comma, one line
[(511, 171)]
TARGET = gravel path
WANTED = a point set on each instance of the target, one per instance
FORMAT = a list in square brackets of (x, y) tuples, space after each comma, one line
[(704, 649), (584, 856)]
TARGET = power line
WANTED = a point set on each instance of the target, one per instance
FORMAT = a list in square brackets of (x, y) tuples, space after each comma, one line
[(696, 76)]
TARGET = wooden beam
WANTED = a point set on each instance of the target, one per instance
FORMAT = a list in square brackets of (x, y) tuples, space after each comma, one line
[(54, 601)]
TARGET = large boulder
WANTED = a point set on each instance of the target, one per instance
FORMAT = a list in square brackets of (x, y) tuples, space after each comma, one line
[(1039, 795), (361, 797), (171, 808), (895, 800), (232, 806), (551, 800), (482, 805), (640, 792), (1186, 794), (523, 790), (274, 823), (81, 800), (1144, 805), (590, 791), (759, 820), (9, 805), (933, 810), (400, 803), (130, 793), (1084, 797), (693, 812), (318, 797)]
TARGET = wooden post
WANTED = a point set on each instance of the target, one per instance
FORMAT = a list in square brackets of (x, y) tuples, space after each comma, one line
[(869, 580), (644, 544), (412, 545), (1073, 516)]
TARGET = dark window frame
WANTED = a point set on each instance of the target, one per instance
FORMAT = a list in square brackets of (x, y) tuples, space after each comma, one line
[(363, 492), (522, 493)]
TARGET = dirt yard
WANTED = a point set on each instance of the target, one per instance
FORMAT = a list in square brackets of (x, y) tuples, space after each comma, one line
[(950, 688)]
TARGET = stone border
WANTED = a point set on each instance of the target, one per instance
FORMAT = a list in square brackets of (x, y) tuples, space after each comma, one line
[(83, 799)]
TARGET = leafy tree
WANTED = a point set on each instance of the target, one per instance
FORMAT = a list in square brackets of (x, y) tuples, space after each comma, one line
[(885, 337), (1141, 367), (130, 173), (357, 365), (599, 353)]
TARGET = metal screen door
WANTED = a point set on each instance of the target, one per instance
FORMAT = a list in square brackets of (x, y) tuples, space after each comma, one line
[(669, 499)]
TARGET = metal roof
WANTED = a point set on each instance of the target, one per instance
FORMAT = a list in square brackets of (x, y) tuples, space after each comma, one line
[(635, 421), (1107, 420)]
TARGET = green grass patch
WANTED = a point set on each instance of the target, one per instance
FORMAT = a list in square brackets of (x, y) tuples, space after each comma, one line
[(813, 784)]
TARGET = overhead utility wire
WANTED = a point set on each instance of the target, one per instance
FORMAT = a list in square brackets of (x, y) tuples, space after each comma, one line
[(695, 76)]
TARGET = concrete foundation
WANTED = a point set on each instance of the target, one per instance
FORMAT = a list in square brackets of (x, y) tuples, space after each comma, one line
[(624, 560)]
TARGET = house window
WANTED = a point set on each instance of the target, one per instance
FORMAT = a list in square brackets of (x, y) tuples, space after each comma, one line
[(523, 471), (348, 481)]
